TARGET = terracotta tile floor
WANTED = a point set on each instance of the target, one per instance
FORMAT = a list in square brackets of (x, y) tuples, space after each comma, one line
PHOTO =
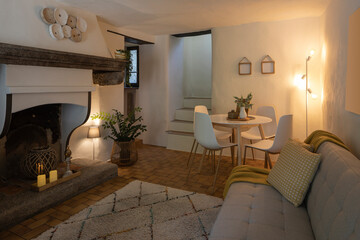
[(155, 165)]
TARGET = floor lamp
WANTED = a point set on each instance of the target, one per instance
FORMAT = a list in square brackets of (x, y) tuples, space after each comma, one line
[(94, 132), (307, 89)]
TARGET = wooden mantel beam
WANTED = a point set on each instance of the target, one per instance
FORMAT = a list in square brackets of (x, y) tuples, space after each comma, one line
[(21, 55)]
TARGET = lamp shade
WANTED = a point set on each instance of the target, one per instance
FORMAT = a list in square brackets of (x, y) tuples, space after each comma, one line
[(94, 132)]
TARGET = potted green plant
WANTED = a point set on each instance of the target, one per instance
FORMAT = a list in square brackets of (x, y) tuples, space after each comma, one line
[(125, 55), (123, 130), (244, 102)]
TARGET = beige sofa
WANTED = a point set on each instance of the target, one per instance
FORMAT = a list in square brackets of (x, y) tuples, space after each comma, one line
[(331, 209)]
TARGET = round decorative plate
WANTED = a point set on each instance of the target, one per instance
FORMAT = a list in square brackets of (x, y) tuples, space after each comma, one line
[(47, 15), (248, 118), (71, 21), (67, 31), (76, 35), (81, 24), (56, 31), (61, 16)]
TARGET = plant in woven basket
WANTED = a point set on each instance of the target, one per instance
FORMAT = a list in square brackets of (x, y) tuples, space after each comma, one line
[(123, 130)]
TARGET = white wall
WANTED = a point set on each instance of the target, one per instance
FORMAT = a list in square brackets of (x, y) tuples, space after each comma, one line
[(176, 72), (161, 83), (21, 24), (104, 99), (337, 120), (288, 43), (153, 93), (197, 66)]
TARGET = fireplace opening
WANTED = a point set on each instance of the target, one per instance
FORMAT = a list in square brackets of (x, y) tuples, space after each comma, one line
[(30, 129)]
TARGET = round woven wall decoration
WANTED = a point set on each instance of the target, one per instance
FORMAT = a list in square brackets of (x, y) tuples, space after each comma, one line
[(38, 161)]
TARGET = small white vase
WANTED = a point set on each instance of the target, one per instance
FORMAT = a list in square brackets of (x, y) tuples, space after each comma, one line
[(242, 113)]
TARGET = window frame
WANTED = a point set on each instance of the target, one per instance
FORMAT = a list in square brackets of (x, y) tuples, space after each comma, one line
[(134, 85)]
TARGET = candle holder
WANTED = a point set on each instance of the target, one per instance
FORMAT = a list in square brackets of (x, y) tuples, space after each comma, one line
[(38, 161)]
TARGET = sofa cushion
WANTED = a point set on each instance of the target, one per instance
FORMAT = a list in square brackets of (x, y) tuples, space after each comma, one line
[(254, 211), (334, 197), (294, 171)]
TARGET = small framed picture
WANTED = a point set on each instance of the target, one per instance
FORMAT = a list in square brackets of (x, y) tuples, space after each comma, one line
[(267, 65), (244, 66)]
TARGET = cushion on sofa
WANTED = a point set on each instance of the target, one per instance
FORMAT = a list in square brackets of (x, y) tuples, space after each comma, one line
[(294, 171), (255, 211)]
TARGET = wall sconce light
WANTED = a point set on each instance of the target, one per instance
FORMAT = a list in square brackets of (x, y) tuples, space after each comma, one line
[(94, 132)]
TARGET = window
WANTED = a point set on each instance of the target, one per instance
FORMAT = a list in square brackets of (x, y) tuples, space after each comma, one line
[(134, 73)]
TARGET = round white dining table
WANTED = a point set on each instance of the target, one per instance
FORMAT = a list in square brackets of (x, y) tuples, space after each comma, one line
[(222, 120)]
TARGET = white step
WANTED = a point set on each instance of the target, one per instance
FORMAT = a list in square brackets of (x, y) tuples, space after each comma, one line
[(191, 102), (181, 141), (181, 126), (185, 114)]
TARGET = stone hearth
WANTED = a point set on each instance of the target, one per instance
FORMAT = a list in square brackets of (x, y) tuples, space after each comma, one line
[(24, 203)]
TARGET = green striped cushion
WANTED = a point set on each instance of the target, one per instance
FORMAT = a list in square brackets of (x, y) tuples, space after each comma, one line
[(294, 171)]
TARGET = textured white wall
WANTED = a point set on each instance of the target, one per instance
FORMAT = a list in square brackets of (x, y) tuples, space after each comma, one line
[(288, 43), (22, 25), (153, 93), (197, 66), (335, 22), (175, 86), (104, 99)]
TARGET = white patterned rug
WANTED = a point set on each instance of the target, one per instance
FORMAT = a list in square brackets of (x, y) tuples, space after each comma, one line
[(142, 211)]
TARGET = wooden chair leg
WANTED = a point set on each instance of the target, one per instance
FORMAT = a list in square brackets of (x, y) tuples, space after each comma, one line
[(265, 162), (232, 149), (213, 156), (192, 148), (202, 159), (191, 161), (252, 150), (217, 170), (269, 159), (244, 155), (209, 156)]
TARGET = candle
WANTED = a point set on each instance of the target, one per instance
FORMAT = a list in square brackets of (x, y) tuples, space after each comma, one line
[(53, 176), (41, 180), (40, 168)]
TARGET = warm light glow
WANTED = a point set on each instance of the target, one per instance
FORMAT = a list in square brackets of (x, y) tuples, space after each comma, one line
[(94, 132), (323, 53), (300, 82), (96, 122), (312, 52), (313, 95)]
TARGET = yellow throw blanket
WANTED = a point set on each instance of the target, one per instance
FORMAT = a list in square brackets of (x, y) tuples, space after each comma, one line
[(319, 136), (246, 173)]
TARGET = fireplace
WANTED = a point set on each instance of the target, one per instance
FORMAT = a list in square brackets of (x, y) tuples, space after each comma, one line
[(31, 77), (42, 107)]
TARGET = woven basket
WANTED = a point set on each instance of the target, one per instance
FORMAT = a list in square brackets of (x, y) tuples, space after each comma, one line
[(124, 153), (44, 156)]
